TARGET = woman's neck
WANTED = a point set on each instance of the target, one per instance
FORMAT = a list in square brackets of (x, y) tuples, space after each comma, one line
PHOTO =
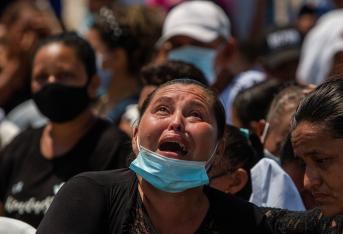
[(59, 138), (174, 212)]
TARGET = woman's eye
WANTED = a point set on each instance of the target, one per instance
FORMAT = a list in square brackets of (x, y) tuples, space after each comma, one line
[(162, 109), (322, 161), (196, 114)]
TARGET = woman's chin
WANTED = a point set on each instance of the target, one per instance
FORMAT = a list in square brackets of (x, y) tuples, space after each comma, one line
[(330, 210)]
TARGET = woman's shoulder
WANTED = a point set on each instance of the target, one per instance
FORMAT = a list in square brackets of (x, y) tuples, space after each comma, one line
[(107, 185), (91, 198), (108, 178)]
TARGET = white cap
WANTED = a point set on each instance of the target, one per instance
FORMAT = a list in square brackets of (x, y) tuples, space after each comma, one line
[(201, 20)]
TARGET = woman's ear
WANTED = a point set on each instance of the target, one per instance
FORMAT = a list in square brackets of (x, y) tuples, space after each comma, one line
[(134, 142), (257, 127), (239, 178)]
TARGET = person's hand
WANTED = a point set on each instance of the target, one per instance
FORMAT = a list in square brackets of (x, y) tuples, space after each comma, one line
[(224, 78), (228, 65), (42, 24), (46, 24), (309, 88)]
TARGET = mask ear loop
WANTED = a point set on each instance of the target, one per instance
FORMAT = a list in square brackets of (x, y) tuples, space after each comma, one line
[(209, 161), (265, 131), (138, 143)]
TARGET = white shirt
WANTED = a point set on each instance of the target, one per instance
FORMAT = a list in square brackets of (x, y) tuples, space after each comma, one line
[(14, 226), (273, 187)]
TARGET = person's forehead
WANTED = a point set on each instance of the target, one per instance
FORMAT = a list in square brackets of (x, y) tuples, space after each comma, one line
[(187, 90), (305, 128), (57, 49), (315, 140), (307, 132), (52, 47)]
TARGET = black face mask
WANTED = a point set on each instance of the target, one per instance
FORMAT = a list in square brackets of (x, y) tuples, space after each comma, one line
[(61, 103)]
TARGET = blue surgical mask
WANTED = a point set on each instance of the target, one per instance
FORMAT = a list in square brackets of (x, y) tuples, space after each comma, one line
[(169, 174), (202, 58), (105, 76)]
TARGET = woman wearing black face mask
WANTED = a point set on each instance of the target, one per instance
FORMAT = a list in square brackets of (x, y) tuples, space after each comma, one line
[(35, 165)]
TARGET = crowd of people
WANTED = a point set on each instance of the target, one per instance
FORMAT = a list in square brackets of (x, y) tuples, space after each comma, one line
[(160, 118)]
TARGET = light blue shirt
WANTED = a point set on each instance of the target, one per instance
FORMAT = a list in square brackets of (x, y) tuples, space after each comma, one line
[(273, 187)]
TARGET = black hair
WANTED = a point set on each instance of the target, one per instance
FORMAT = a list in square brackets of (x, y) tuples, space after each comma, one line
[(238, 148), (323, 106), (253, 103), (238, 153), (82, 48), (112, 32), (135, 29), (218, 108), (307, 9), (287, 153), (153, 74), (256, 144)]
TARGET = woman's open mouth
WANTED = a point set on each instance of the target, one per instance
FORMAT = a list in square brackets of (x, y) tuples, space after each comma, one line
[(173, 147)]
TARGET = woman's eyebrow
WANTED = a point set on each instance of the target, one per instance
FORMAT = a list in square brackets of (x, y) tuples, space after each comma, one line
[(163, 99), (316, 153), (197, 104)]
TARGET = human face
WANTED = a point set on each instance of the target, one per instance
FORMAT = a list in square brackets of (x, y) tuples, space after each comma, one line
[(176, 42), (178, 123), (277, 133), (321, 153), (57, 63)]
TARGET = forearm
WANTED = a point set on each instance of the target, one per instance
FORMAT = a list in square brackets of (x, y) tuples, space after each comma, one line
[(312, 221)]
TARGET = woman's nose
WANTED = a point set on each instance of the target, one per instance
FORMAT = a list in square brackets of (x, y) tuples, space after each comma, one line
[(51, 79), (177, 123), (311, 178)]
